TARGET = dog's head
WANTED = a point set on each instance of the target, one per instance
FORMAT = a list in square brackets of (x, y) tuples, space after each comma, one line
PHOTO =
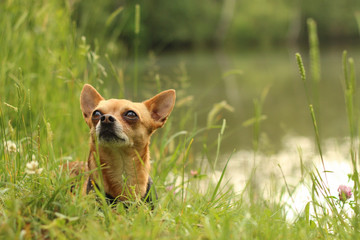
[(119, 122)]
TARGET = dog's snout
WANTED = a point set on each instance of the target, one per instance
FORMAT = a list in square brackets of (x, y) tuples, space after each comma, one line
[(110, 130), (107, 118)]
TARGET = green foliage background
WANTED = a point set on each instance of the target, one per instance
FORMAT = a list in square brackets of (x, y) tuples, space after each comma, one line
[(169, 24), (49, 49)]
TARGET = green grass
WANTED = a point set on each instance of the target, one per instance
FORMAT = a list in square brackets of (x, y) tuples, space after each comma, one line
[(43, 66)]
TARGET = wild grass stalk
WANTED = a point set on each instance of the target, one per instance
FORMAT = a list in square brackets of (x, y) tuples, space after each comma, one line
[(320, 189), (311, 108), (252, 185), (220, 135), (351, 102), (258, 118), (357, 17), (136, 48), (288, 189), (315, 67), (118, 75), (313, 86), (184, 160), (213, 196)]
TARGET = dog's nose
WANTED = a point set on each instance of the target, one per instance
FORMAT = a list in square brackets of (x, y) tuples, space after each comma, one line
[(107, 118)]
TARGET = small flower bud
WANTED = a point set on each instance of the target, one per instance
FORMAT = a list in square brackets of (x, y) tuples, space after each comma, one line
[(194, 173), (344, 193)]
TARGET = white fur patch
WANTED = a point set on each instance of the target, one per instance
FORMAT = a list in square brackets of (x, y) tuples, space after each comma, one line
[(117, 131)]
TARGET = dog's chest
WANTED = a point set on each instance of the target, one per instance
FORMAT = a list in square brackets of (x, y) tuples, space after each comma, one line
[(119, 171)]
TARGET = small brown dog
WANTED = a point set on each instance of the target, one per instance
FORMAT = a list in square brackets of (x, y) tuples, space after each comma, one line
[(120, 136)]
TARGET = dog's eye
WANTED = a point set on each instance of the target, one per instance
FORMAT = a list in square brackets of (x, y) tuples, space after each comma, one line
[(131, 115), (96, 114)]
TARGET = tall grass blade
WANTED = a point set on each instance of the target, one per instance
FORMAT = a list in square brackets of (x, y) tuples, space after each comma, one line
[(221, 178), (219, 143), (317, 136), (314, 62), (311, 107), (288, 189), (353, 121), (357, 17), (314, 51), (113, 15), (183, 168), (136, 48)]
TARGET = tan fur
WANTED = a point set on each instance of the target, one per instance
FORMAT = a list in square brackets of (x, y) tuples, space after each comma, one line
[(75, 168), (128, 159)]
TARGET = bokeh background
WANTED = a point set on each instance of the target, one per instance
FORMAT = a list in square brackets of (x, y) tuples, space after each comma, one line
[(228, 58), (238, 156), (184, 24), (234, 51)]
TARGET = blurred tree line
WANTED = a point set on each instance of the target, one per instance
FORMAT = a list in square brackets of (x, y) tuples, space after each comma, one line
[(177, 24)]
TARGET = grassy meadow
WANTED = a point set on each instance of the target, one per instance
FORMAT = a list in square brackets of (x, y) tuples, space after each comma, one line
[(45, 61)]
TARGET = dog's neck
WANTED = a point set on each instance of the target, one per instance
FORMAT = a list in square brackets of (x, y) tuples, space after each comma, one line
[(125, 171)]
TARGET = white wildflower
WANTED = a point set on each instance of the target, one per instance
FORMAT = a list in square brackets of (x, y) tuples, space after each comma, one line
[(10, 146), (32, 168)]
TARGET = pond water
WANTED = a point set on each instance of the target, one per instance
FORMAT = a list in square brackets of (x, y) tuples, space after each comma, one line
[(240, 77), (287, 132)]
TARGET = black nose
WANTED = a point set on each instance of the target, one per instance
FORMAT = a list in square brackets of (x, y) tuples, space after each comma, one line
[(107, 118)]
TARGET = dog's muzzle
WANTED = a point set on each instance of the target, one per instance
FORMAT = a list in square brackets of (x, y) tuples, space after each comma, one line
[(109, 130)]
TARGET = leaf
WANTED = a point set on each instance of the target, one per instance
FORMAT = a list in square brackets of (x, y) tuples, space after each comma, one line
[(307, 212), (251, 121), (220, 180), (233, 72), (312, 224), (111, 18), (21, 20), (216, 109)]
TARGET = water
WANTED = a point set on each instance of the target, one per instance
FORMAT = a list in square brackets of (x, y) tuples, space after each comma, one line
[(206, 77), (287, 133)]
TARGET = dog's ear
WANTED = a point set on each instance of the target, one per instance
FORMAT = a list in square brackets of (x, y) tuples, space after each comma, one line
[(89, 99), (160, 106)]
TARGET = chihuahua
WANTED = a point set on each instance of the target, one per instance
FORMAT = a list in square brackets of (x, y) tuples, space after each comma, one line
[(120, 132)]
